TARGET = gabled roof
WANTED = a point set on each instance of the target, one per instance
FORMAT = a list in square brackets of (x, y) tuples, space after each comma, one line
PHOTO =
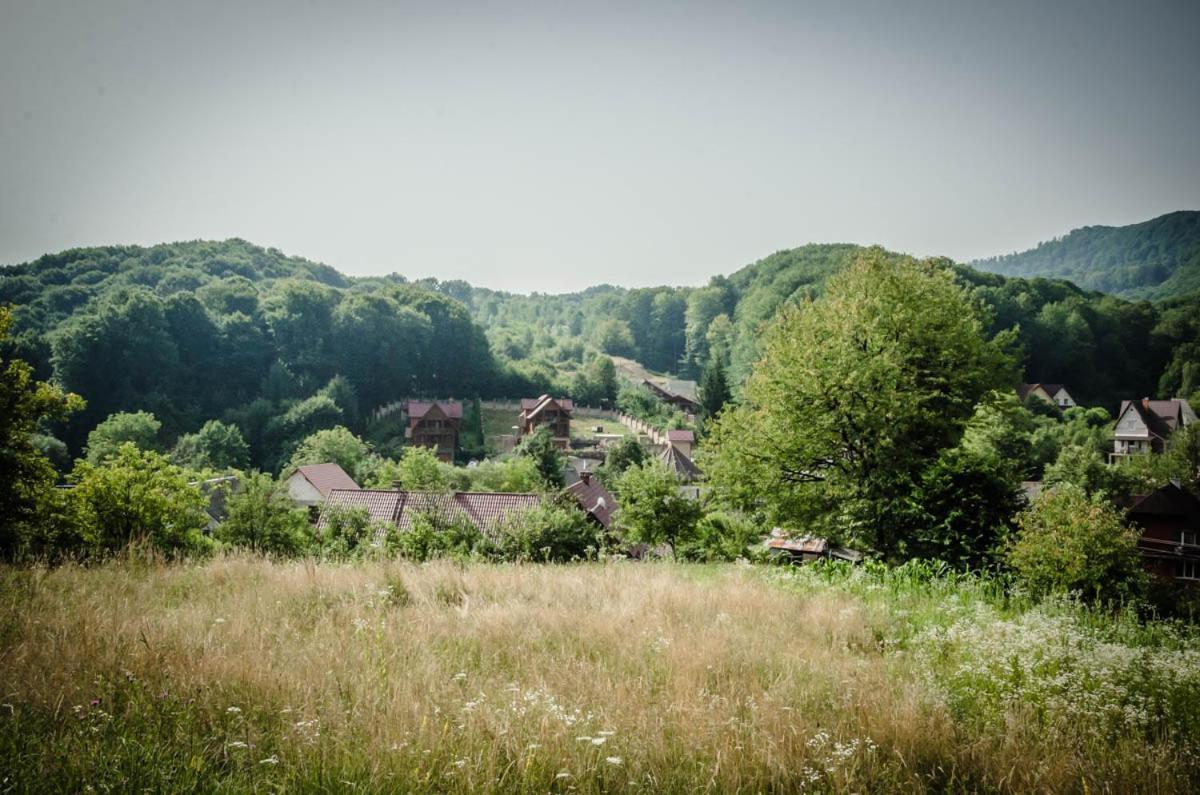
[(594, 499), (326, 477), (1170, 500), (533, 406), (1050, 389), (419, 408), (485, 511), (1161, 417), (682, 465), (681, 436)]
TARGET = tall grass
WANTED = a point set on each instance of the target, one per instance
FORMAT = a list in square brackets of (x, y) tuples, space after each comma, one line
[(251, 675)]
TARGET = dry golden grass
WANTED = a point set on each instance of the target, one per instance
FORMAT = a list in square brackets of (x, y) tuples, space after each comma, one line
[(389, 676)]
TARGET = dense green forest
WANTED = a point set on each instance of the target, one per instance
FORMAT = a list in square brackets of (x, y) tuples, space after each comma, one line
[(1159, 258), (281, 346)]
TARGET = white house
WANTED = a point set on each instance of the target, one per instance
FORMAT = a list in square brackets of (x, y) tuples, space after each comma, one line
[(310, 485), (1144, 426)]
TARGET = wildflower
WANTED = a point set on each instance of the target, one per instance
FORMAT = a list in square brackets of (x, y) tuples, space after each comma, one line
[(460, 763), (562, 774), (583, 739), (270, 760), (237, 744), (599, 740), (606, 733), (234, 710), (614, 760), (219, 621)]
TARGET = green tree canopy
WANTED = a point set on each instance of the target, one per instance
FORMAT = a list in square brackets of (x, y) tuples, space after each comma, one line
[(855, 395), (139, 428), (216, 445)]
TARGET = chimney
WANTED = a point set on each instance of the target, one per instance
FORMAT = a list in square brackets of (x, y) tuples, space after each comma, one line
[(586, 477), (397, 486)]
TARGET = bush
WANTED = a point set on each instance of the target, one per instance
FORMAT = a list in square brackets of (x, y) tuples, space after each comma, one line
[(137, 498), (1069, 541), (349, 534), (261, 517), (432, 536), (722, 536), (548, 534)]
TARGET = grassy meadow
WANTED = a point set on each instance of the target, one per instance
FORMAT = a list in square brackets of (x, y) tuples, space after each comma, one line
[(250, 675)]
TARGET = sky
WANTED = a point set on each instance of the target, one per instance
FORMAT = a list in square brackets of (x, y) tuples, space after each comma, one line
[(553, 146)]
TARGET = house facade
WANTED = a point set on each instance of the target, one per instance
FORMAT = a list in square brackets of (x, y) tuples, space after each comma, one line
[(1169, 521), (434, 424), (552, 413), (1054, 394), (1144, 426)]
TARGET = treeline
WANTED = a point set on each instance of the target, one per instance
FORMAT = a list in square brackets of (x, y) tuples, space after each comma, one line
[(280, 346), (277, 346)]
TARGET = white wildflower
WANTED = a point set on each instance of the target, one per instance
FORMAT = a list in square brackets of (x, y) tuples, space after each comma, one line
[(270, 760), (234, 710), (614, 760), (599, 740)]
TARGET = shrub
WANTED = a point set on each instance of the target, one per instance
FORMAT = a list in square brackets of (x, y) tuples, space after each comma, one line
[(348, 534), (430, 536), (1069, 541), (139, 497), (548, 534), (261, 517), (722, 536)]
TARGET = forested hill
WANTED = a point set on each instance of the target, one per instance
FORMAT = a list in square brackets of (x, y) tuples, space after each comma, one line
[(1159, 258), (280, 345)]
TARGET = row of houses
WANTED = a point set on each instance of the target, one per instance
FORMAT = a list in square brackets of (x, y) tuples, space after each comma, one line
[(436, 424)]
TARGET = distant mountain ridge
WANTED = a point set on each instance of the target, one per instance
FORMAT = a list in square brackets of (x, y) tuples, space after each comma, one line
[(1155, 259)]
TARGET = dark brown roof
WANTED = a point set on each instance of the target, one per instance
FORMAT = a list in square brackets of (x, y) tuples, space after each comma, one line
[(327, 477), (1170, 500), (1162, 417), (482, 509), (419, 408), (594, 499), (682, 465)]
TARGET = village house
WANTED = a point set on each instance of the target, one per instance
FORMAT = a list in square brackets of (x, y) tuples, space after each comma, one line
[(434, 424), (678, 393), (679, 462), (1054, 394), (1144, 426), (593, 499), (309, 486), (1169, 521), (552, 413), (485, 511)]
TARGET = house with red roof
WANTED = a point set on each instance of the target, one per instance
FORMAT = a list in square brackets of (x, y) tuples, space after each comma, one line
[(548, 412), (434, 424), (311, 485), (593, 499), (1144, 426)]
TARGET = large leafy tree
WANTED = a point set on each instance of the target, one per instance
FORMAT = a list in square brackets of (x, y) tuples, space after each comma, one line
[(27, 475), (217, 445), (139, 428), (651, 509), (855, 396)]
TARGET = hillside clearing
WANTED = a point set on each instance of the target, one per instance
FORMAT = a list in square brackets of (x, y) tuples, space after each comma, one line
[(597, 677)]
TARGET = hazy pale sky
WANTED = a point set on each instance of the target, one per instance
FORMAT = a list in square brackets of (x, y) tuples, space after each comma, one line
[(552, 146)]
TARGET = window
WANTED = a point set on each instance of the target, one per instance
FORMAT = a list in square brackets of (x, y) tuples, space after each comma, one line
[(1187, 570), (1189, 537)]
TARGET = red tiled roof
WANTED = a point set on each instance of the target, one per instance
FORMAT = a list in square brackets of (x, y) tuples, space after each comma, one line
[(419, 408), (594, 499), (327, 477), (681, 436), (483, 510)]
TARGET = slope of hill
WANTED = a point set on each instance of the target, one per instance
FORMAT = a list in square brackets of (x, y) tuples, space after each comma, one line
[(1159, 258)]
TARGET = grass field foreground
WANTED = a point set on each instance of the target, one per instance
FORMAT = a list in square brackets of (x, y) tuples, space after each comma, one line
[(385, 676)]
